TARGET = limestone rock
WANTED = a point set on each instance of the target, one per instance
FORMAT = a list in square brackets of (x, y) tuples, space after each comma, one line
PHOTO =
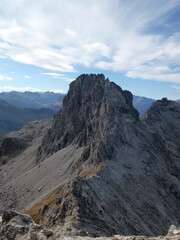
[(91, 110), (174, 231), (18, 224), (6, 216)]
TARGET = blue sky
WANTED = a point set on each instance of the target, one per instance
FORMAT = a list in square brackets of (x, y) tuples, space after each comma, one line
[(44, 45)]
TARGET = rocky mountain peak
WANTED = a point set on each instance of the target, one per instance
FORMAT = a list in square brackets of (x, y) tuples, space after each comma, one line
[(92, 108), (160, 110)]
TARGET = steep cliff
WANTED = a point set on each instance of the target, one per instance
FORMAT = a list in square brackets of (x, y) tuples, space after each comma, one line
[(92, 109)]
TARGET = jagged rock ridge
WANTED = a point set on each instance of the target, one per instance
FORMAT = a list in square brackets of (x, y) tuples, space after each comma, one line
[(115, 173), (88, 108)]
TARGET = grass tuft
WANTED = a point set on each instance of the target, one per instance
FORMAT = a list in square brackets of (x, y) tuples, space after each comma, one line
[(5, 137), (90, 172), (34, 211), (29, 154), (3, 159)]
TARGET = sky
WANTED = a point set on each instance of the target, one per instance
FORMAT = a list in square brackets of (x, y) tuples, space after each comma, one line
[(46, 44)]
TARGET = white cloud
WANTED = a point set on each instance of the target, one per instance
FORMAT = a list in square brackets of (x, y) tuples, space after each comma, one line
[(5, 78), (161, 73), (71, 33), (46, 58), (20, 89), (150, 57), (176, 87), (23, 89), (68, 79), (55, 75), (8, 78), (113, 35), (26, 76), (58, 75), (56, 91), (162, 69)]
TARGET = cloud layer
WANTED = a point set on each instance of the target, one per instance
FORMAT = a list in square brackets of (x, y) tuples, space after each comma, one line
[(113, 35), (5, 78)]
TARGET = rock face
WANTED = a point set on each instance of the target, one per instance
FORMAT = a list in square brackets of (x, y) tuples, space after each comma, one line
[(91, 110), (14, 143), (20, 226), (103, 171)]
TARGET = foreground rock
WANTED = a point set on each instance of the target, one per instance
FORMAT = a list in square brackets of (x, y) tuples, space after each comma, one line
[(100, 170), (21, 227), (14, 224)]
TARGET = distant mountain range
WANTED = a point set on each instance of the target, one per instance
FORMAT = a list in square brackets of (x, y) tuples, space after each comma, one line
[(33, 99), (18, 108), (142, 103), (13, 118)]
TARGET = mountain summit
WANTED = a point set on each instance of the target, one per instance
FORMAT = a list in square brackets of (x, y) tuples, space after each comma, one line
[(100, 170), (93, 108)]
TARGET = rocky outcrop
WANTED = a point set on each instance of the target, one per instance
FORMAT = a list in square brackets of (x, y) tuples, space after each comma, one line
[(91, 110), (22, 227), (14, 224), (102, 171), (14, 143), (162, 122)]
